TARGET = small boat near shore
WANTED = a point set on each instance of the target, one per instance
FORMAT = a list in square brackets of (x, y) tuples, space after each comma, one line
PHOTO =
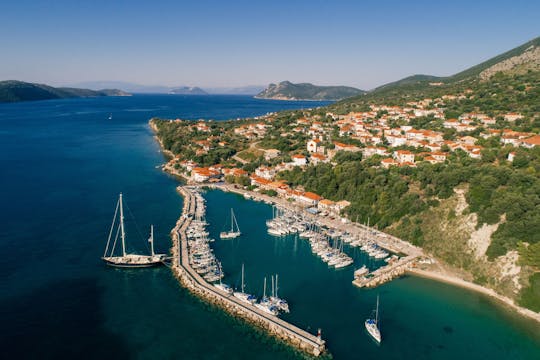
[(361, 271)]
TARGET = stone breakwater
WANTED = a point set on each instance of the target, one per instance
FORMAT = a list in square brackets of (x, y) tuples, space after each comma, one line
[(182, 270)]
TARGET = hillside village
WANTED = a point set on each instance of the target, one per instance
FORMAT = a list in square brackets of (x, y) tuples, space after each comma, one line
[(449, 164), (384, 133)]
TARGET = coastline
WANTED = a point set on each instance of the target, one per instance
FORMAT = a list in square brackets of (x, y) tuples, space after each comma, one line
[(290, 99), (453, 280), (448, 278)]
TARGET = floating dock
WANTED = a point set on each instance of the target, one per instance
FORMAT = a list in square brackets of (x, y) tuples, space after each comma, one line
[(189, 278)]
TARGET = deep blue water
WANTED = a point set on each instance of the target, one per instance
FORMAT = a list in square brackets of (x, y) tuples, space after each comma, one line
[(63, 164)]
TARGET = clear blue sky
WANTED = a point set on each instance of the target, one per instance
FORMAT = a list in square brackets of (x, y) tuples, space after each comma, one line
[(233, 43)]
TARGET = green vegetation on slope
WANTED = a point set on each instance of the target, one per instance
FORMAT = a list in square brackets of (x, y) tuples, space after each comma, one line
[(13, 91), (306, 91), (530, 296)]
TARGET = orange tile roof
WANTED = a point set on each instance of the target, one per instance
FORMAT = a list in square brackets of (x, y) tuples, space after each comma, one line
[(312, 196), (535, 140)]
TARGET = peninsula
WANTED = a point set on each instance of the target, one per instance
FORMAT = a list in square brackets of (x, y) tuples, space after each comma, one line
[(286, 90), (447, 168), (14, 91)]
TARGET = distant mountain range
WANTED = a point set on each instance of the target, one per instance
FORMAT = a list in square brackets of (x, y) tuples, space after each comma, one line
[(286, 90), (188, 90), (13, 91), (521, 59), (158, 89)]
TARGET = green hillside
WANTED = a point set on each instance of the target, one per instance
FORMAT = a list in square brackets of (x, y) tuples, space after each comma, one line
[(13, 91), (286, 90), (417, 86)]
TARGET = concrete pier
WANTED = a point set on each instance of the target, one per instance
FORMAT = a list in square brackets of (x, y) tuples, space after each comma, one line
[(189, 278), (385, 273)]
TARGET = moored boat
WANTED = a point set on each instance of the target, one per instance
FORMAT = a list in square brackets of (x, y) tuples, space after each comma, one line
[(127, 260)]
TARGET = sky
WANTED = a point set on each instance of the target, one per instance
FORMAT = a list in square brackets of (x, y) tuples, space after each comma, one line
[(360, 43)]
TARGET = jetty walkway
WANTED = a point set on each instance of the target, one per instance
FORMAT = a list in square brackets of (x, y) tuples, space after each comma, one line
[(385, 273), (181, 268)]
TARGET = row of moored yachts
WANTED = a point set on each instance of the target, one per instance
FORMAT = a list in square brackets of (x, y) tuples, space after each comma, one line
[(201, 256), (326, 243), (203, 260)]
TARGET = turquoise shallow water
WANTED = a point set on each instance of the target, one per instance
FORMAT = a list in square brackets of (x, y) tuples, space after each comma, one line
[(420, 318), (63, 165)]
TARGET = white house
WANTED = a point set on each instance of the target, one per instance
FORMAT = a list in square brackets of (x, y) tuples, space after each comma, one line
[(403, 156), (313, 146), (265, 172), (299, 160)]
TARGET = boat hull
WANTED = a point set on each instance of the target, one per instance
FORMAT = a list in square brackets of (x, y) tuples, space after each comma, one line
[(140, 261), (373, 330), (229, 235)]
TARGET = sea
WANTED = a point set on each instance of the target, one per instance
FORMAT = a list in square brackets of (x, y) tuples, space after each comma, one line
[(63, 164)]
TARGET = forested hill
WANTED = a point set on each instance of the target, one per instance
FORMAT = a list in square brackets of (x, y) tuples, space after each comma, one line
[(13, 91), (286, 90), (518, 61), (480, 212)]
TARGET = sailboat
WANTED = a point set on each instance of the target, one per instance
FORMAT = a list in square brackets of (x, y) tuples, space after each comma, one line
[(372, 325), (266, 304), (221, 286), (231, 234), (128, 260), (276, 300), (242, 296)]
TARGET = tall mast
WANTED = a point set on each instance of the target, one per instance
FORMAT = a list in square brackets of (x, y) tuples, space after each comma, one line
[(122, 227), (235, 222), (220, 272), (276, 285), (377, 312), (242, 277), (111, 231), (273, 291), (151, 240), (264, 291)]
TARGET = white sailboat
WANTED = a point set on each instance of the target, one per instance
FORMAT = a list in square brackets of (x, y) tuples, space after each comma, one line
[(281, 304), (128, 260), (266, 304), (242, 296), (235, 230), (372, 325), (221, 286)]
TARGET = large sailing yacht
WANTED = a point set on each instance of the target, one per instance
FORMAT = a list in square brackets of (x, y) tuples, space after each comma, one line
[(128, 260)]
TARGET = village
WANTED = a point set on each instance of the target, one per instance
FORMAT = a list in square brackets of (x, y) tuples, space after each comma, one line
[(384, 134)]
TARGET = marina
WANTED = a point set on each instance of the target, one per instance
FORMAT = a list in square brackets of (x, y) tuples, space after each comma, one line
[(327, 237), (240, 304), (198, 269)]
